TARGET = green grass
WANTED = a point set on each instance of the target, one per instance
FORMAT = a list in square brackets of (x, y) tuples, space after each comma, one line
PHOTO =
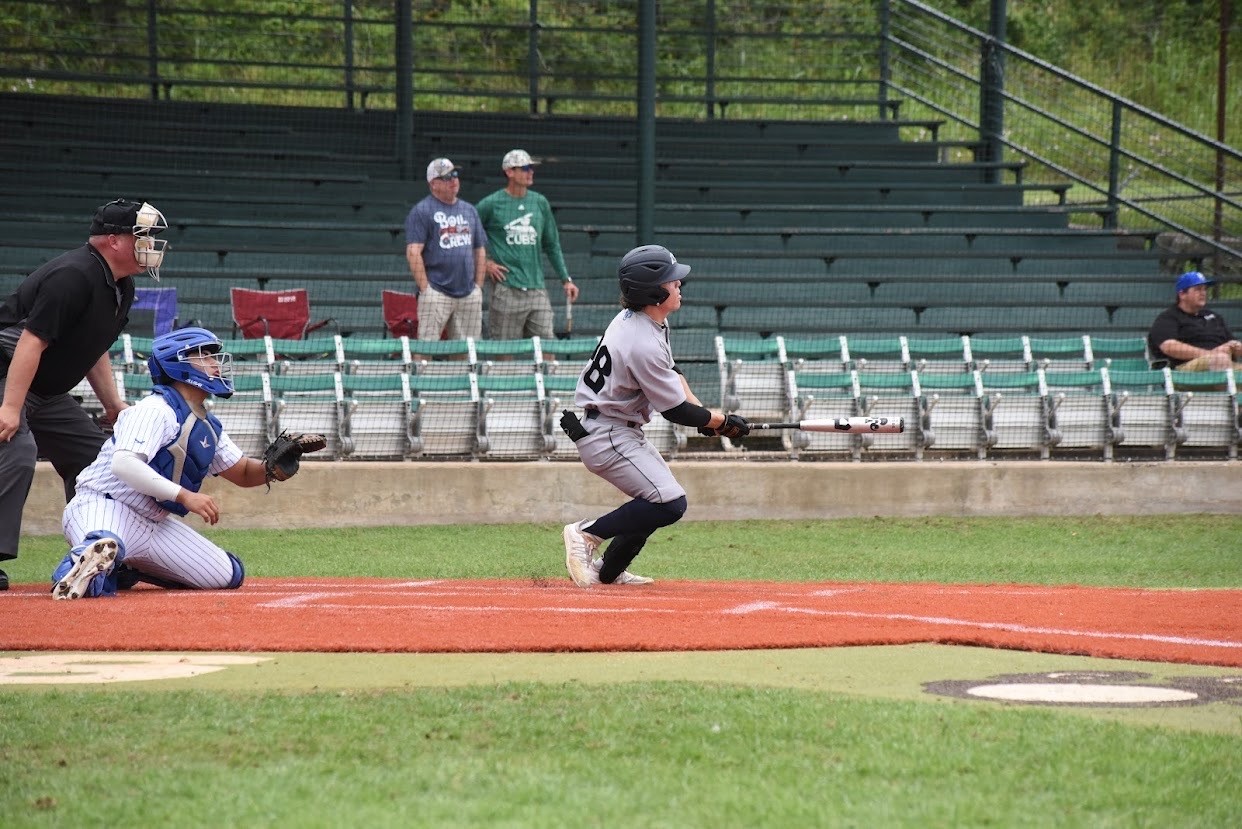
[(648, 754), (675, 754), (1150, 551)]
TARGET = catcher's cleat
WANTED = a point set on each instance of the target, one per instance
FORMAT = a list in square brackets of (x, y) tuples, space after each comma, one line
[(97, 558), (580, 548)]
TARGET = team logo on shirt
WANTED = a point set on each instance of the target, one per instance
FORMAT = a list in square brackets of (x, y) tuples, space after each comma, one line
[(520, 232), (454, 230)]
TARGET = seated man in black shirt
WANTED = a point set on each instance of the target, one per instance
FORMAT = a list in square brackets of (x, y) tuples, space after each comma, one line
[(1191, 337)]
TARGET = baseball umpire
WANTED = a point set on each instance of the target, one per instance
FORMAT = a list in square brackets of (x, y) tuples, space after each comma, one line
[(631, 375), (55, 330)]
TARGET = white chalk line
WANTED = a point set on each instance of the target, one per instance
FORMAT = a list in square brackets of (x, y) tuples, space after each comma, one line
[(1005, 626), (750, 608)]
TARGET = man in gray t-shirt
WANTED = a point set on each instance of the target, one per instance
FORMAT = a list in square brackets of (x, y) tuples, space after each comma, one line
[(446, 247), (630, 376)]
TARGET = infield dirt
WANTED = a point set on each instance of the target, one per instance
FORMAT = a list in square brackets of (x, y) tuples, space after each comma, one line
[(441, 616)]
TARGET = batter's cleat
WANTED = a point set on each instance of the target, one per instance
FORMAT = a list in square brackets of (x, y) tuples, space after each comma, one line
[(627, 577), (4, 580), (97, 558), (580, 548)]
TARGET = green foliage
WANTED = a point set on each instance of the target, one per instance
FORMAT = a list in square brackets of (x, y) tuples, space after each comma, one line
[(1160, 53)]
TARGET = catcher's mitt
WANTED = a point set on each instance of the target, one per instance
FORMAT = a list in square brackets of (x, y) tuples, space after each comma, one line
[(283, 457)]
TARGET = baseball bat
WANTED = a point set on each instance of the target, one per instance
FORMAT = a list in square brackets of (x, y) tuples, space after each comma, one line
[(850, 425)]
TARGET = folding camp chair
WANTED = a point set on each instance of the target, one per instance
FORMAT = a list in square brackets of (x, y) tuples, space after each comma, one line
[(282, 315), (400, 313)]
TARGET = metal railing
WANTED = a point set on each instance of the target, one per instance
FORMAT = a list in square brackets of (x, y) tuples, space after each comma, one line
[(1137, 166)]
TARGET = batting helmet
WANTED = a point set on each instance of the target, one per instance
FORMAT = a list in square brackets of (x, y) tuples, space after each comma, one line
[(643, 270), (171, 355)]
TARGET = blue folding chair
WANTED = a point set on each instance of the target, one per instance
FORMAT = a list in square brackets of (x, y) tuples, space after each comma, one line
[(154, 311)]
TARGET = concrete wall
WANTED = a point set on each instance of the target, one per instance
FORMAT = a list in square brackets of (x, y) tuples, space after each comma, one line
[(359, 494)]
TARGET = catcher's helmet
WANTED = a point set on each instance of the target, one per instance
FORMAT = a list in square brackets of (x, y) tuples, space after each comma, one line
[(171, 355), (643, 270), (142, 221)]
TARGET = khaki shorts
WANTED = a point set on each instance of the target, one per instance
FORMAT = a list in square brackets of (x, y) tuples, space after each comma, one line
[(462, 317), (515, 314), (1201, 364)]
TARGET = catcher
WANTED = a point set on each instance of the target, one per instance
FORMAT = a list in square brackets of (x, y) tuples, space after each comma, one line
[(120, 525)]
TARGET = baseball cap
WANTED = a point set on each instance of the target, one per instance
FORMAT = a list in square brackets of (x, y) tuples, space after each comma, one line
[(517, 158), (439, 167), (121, 216), (1192, 278)]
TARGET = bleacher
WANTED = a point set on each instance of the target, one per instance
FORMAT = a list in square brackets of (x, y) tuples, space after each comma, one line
[(794, 230)]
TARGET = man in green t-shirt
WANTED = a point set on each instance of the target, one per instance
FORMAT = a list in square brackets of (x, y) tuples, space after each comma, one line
[(520, 227)]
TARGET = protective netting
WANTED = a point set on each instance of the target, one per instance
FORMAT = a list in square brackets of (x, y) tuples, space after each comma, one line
[(851, 254)]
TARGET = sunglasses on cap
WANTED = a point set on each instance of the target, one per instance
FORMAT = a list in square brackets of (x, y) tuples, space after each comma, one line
[(447, 176), (529, 168)]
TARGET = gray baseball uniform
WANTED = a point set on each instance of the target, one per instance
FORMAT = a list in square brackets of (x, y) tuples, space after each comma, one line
[(630, 376)]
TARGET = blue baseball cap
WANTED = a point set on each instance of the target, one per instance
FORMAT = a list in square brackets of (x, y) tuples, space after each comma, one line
[(1192, 278)]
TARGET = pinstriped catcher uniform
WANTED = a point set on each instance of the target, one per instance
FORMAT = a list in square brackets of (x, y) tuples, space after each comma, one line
[(122, 524), (156, 543)]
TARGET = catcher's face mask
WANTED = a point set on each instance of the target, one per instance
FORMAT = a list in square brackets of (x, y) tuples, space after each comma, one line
[(148, 250), (210, 368)]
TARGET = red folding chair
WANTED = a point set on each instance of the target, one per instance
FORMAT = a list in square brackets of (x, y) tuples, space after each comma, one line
[(400, 313), (282, 315)]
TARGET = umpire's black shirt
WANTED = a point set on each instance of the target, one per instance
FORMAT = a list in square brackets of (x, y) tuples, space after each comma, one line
[(73, 303), (1205, 329)]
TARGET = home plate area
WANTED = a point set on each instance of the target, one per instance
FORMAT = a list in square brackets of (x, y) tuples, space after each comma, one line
[(1195, 626)]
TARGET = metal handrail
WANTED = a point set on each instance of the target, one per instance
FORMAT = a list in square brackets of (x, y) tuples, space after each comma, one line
[(908, 22)]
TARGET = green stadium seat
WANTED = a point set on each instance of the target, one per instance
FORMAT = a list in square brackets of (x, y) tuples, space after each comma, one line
[(877, 353), (1071, 352), (1144, 408), (952, 412), (378, 415), (1209, 415), (1104, 350), (1000, 354), (1016, 412), (1080, 413), (947, 354)]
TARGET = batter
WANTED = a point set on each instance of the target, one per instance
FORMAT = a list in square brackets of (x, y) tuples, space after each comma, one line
[(630, 376), (119, 524)]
